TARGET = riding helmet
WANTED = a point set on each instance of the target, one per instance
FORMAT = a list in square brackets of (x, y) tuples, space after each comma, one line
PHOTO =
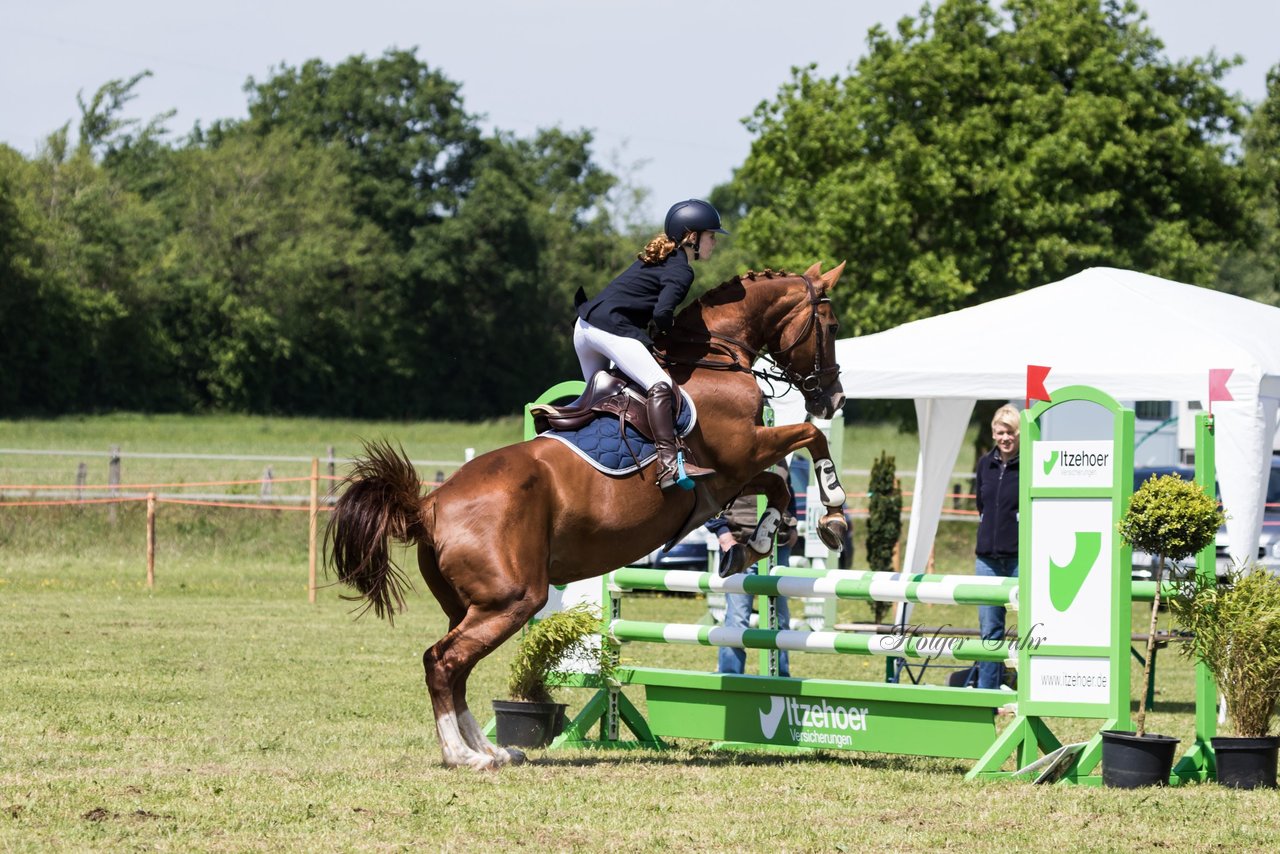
[(691, 215)]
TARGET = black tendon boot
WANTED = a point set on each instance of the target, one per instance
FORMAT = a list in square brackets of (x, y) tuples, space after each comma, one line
[(674, 468)]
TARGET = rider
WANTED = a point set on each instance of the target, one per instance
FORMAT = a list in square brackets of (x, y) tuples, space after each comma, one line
[(618, 324)]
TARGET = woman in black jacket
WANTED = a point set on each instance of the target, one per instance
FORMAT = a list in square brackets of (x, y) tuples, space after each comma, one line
[(996, 487), (618, 324)]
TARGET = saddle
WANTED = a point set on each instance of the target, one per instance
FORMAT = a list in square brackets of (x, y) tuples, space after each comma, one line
[(609, 393)]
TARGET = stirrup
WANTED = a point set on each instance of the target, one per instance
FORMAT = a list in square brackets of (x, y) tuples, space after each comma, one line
[(681, 475)]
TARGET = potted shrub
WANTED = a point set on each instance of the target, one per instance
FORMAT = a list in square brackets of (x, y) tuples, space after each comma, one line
[(1172, 519), (1235, 630), (531, 718)]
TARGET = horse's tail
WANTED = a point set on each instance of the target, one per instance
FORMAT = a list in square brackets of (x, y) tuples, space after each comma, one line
[(383, 498)]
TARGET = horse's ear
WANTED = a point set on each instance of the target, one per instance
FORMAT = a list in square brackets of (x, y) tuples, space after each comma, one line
[(813, 272), (832, 276)]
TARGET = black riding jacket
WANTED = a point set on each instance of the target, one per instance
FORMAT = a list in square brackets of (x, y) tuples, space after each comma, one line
[(996, 486), (640, 294)]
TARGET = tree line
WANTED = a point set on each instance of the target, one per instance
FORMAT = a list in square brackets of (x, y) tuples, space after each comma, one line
[(358, 246)]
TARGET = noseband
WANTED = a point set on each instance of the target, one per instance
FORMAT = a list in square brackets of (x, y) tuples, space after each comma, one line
[(810, 384)]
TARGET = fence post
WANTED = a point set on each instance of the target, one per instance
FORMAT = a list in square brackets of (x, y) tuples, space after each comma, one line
[(82, 474), (113, 480), (151, 540), (333, 472), (311, 544), (267, 477)]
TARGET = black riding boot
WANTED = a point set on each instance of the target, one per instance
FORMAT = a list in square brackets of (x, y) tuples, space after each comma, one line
[(660, 405)]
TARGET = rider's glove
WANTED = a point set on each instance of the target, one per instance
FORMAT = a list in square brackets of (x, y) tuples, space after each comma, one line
[(663, 323)]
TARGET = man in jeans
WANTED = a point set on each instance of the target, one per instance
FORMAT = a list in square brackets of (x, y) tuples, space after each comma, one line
[(996, 487), (736, 525)]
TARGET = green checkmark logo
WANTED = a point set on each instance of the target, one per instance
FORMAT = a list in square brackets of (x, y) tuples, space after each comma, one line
[(1066, 580), (1051, 462)]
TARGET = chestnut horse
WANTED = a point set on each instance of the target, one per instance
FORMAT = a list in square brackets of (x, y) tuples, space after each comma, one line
[(511, 522)]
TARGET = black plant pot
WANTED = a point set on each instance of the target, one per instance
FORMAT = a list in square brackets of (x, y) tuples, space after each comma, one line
[(1130, 762), (525, 724), (1246, 763)]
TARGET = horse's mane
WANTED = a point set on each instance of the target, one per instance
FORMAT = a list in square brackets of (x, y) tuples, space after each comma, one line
[(730, 289)]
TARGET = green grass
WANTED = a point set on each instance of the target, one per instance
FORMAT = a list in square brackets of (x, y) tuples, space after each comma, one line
[(222, 712)]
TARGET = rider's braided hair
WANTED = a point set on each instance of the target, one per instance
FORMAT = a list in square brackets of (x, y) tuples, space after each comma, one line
[(657, 250)]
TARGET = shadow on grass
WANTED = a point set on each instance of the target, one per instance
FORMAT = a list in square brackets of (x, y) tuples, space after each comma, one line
[(709, 758)]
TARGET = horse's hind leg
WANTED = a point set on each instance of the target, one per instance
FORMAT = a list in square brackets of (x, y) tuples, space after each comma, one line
[(451, 660), (466, 729)]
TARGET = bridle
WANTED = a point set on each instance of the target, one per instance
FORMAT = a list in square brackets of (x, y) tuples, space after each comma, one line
[(810, 384)]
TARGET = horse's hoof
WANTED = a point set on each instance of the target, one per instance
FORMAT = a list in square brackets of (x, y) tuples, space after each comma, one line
[(733, 561), (832, 530), (515, 757)]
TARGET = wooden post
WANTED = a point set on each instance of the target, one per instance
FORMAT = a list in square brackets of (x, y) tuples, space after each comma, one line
[(113, 480), (267, 477), (151, 540), (333, 472), (311, 543), (82, 475)]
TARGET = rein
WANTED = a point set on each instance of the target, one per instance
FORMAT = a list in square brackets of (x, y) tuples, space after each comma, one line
[(808, 384)]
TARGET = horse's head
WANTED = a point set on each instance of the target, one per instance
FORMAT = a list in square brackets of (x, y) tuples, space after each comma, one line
[(803, 341), (786, 314)]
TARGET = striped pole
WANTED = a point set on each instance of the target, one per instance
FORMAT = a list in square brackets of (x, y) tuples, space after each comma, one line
[(839, 584), (910, 644), (855, 584)]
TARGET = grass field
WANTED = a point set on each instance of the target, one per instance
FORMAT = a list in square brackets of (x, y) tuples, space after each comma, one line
[(222, 712)]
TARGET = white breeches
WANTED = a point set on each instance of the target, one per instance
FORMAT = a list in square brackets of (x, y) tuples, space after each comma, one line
[(596, 348)]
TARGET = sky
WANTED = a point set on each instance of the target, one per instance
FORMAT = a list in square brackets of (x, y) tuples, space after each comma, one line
[(663, 86)]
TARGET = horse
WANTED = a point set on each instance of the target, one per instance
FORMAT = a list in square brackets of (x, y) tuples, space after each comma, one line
[(508, 524)]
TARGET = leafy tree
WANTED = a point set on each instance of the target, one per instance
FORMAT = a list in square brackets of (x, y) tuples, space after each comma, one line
[(488, 237), (979, 152), (270, 290), (411, 146), (356, 246), (1254, 272), (85, 328), (497, 279)]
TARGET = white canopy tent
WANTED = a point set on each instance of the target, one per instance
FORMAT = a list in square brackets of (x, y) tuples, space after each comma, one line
[(1134, 336)]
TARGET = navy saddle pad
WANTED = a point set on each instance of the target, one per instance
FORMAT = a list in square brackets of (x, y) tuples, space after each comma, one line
[(601, 444)]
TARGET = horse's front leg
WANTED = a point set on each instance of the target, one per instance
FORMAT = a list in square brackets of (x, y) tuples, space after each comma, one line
[(774, 443)]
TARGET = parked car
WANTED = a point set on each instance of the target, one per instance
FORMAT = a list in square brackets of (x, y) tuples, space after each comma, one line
[(1268, 554)]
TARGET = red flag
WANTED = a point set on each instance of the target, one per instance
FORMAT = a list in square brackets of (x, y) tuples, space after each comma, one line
[(1036, 375), (1218, 385)]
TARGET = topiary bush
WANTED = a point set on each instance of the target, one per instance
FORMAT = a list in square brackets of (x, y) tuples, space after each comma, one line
[(884, 520), (1171, 518)]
